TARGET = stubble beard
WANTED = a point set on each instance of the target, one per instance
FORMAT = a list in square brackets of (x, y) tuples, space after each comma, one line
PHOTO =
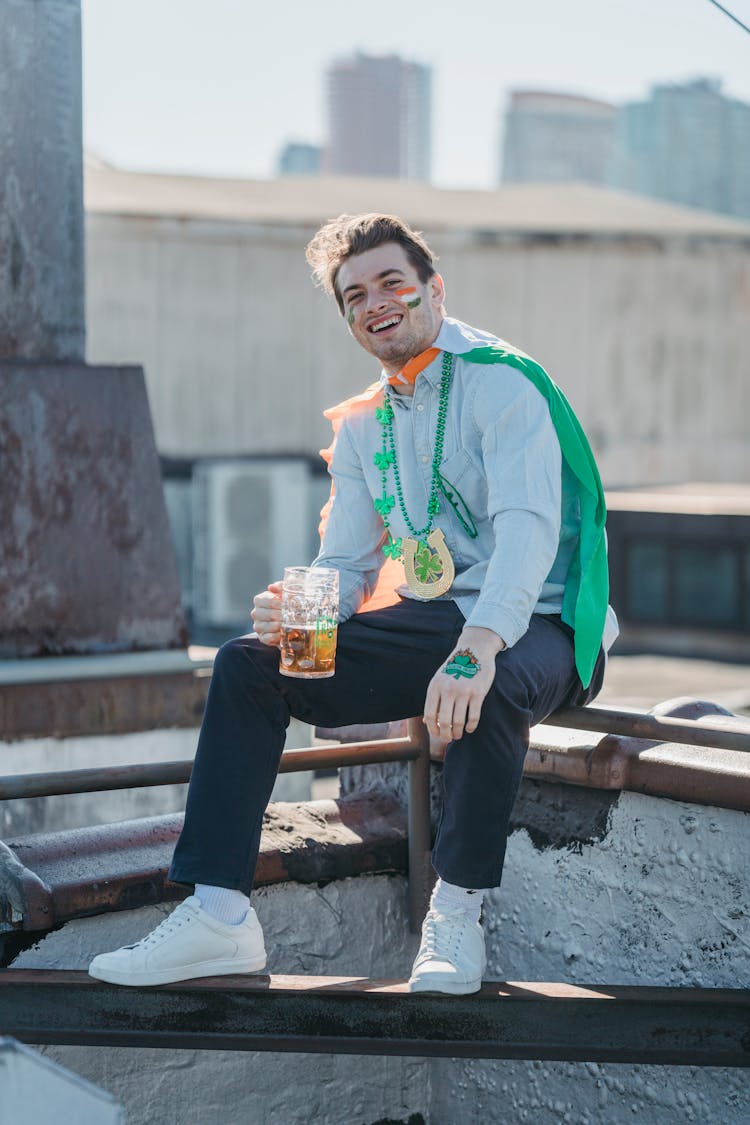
[(396, 353)]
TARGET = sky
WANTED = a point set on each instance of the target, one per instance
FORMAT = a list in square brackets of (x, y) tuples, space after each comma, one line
[(216, 87)]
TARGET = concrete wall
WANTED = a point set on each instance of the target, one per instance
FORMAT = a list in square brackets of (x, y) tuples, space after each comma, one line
[(656, 895), (648, 337), (661, 899)]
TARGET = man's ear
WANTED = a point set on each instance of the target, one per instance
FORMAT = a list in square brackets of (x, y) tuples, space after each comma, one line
[(437, 290)]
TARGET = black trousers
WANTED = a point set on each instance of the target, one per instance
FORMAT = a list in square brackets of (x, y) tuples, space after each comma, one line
[(384, 662)]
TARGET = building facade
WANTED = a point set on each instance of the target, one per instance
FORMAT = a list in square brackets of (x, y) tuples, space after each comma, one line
[(393, 99), (299, 158), (633, 306), (688, 144), (557, 138)]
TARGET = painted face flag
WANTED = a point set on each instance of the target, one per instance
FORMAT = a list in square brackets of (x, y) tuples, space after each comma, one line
[(409, 297)]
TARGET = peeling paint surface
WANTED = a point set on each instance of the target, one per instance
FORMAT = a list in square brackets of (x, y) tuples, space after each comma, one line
[(661, 899), (357, 926), (87, 558), (41, 182)]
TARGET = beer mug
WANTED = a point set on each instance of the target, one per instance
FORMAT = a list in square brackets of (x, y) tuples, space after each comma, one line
[(309, 622)]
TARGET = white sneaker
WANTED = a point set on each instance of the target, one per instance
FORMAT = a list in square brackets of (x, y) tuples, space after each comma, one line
[(188, 943), (451, 957)]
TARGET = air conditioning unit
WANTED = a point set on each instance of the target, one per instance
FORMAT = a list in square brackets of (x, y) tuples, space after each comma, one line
[(250, 520)]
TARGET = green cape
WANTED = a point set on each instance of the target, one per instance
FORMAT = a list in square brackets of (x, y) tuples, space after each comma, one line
[(586, 594)]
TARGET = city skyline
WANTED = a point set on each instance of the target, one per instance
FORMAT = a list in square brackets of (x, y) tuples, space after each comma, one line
[(687, 143), (216, 90)]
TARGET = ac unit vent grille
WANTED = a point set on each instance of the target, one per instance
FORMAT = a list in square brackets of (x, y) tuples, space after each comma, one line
[(250, 520)]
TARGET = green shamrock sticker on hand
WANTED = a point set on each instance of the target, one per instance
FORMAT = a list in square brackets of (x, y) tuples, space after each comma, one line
[(464, 663)]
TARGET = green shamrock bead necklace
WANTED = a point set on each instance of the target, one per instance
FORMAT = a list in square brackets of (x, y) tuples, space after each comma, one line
[(427, 561)]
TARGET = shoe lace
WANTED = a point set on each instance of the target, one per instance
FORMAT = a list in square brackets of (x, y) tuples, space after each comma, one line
[(169, 925), (442, 933)]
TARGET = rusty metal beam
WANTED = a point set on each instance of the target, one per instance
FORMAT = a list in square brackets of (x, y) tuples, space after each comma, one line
[(56, 876), (349, 1015)]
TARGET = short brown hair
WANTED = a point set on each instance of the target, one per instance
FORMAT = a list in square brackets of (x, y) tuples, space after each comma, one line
[(348, 235)]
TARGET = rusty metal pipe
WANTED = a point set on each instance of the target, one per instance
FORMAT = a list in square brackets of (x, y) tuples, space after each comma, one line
[(419, 833), (349, 754), (136, 776), (714, 732)]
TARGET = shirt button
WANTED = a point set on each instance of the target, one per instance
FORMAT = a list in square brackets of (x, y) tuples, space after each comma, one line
[(420, 406), (425, 460)]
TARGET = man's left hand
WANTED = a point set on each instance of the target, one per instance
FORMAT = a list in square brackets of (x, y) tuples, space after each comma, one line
[(459, 687)]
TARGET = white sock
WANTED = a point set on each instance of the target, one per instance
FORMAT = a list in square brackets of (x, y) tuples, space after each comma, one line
[(223, 904), (446, 899)]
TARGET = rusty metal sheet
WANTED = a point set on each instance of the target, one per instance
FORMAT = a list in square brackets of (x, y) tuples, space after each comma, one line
[(518, 1020), (53, 877), (87, 563)]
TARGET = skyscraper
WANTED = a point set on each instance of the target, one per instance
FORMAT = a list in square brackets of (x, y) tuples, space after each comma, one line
[(379, 118), (554, 138), (689, 144)]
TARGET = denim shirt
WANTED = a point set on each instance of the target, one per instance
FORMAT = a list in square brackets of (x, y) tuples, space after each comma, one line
[(500, 452)]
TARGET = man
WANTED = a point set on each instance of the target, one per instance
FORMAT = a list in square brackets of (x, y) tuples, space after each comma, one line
[(466, 462)]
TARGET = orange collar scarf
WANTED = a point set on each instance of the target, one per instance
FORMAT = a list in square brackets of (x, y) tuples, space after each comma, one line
[(409, 372)]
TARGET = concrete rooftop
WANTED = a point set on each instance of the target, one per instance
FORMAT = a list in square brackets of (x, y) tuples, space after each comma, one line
[(572, 209)]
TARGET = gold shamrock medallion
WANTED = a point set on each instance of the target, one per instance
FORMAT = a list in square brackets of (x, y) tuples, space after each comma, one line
[(428, 566)]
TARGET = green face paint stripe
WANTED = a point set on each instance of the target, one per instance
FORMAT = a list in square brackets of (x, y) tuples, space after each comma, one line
[(350, 317), (413, 304)]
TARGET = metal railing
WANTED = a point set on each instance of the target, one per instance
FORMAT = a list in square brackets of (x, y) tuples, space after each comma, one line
[(414, 749), (715, 732)]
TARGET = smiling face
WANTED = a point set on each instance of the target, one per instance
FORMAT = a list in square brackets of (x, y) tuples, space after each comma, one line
[(390, 312)]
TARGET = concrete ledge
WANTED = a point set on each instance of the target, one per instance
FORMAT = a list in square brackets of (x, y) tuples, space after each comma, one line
[(48, 879), (96, 706), (112, 693), (102, 666)]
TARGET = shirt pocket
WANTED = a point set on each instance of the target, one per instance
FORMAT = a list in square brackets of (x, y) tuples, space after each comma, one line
[(461, 475)]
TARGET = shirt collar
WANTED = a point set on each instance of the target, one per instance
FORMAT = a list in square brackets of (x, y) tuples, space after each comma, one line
[(456, 337)]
